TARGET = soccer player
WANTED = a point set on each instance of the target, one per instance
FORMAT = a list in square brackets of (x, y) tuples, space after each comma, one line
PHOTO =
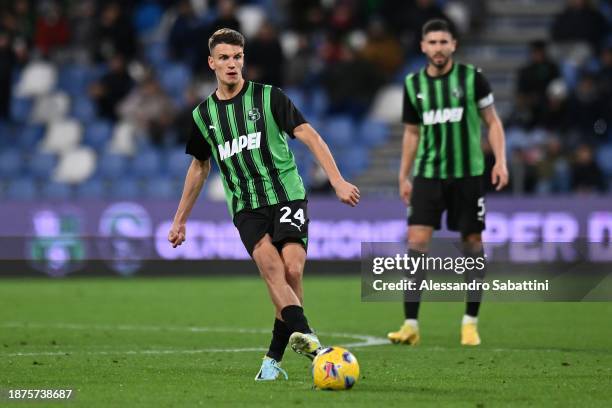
[(443, 107), (243, 125)]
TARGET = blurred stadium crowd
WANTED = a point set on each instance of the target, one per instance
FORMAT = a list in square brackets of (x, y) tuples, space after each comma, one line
[(96, 96)]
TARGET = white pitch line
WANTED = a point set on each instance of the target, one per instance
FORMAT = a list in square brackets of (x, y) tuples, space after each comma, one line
[(364, 340)]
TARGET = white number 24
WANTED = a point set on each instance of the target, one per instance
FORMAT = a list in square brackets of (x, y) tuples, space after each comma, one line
[(299, 215)]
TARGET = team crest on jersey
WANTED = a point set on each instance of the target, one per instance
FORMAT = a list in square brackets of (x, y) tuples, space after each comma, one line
[(254, 114), (457, 92)]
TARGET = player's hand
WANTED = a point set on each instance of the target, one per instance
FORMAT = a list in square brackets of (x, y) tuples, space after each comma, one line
[(176, 236), (405, 191), (499, 176), (347, 193)]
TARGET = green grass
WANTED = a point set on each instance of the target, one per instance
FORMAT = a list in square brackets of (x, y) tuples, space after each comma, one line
[(129, 346)]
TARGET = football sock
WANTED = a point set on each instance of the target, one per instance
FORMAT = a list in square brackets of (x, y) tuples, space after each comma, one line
[(294, 318), (412, 298), (280, 339), (412, 322), (471, 309), (474, 297), (467, 319)]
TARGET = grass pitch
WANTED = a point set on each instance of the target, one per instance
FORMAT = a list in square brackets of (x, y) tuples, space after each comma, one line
[(198, 342)]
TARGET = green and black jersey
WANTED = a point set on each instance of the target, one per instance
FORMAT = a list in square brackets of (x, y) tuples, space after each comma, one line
[(446, 108), (247, 137)]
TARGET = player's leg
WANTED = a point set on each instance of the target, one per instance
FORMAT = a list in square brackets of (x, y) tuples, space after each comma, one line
[(427, 207), (291, 237), (472, 248), (272, 270), (293, 257), (419, 237), (467, 214)]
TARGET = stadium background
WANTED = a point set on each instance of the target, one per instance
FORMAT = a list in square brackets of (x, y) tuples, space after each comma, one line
[(97, 96)]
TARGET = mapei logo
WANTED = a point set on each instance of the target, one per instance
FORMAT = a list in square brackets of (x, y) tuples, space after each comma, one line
[(445, 115), (250, 142), (254, 114)]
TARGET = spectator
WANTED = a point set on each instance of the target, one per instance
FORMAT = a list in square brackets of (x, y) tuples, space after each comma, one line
[(580, 21), (226, 18), (553, 170), (83, 25), (587, 177), (265, 59), (184, 36), (351, 94), (112, 88), (555, 115), (382, 49), (534, 78), (587, 107), (52, 29), (604, 82), (8, 61), (303, 66), (149, 108), (115, 34)]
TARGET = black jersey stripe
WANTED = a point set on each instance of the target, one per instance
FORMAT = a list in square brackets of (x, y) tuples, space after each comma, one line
[(240, 119), (238, 172), (449, 152), (465, 135), (222, 166), (423, 134), (266, 154), (436, 132)]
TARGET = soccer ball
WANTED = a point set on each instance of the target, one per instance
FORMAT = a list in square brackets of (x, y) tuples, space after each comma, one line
[(335, 368)]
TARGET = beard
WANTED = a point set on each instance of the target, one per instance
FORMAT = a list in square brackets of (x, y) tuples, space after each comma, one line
[(442, 62)]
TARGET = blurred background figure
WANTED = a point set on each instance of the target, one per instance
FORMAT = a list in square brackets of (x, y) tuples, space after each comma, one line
[(149, 108), (112, 88), (88, 65)]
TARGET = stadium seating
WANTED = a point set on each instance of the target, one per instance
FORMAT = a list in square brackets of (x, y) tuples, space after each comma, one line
[(98, 134), (61, 136), (126, 189), (22, 189), (41, 165), (76, 165), (91, 189), (56, 191), (10, 163)]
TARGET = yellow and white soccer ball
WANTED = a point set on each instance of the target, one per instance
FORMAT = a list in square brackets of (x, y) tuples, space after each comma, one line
[(335, 368)]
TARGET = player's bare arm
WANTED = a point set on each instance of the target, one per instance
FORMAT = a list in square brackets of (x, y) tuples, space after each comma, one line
[(499, 173), (410, 143), (346, 192), (194, 181)]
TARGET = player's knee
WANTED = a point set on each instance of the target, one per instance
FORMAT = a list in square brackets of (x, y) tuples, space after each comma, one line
[(293, 271)]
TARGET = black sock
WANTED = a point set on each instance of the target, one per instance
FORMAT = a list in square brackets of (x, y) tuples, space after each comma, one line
[(471, 308), (280, 339), (412, 298), (474, 297), (411, 310), (294, 318)]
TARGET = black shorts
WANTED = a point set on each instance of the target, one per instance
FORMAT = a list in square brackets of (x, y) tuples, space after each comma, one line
[(285, 222), (462, 198)]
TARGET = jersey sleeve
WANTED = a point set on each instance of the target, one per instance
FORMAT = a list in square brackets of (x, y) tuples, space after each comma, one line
[(409, 112), (197, 145), (484, 94), (287, 116)]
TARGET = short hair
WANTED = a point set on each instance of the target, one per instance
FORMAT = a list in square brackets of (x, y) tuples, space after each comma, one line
[(225, 36), (438, 24)]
